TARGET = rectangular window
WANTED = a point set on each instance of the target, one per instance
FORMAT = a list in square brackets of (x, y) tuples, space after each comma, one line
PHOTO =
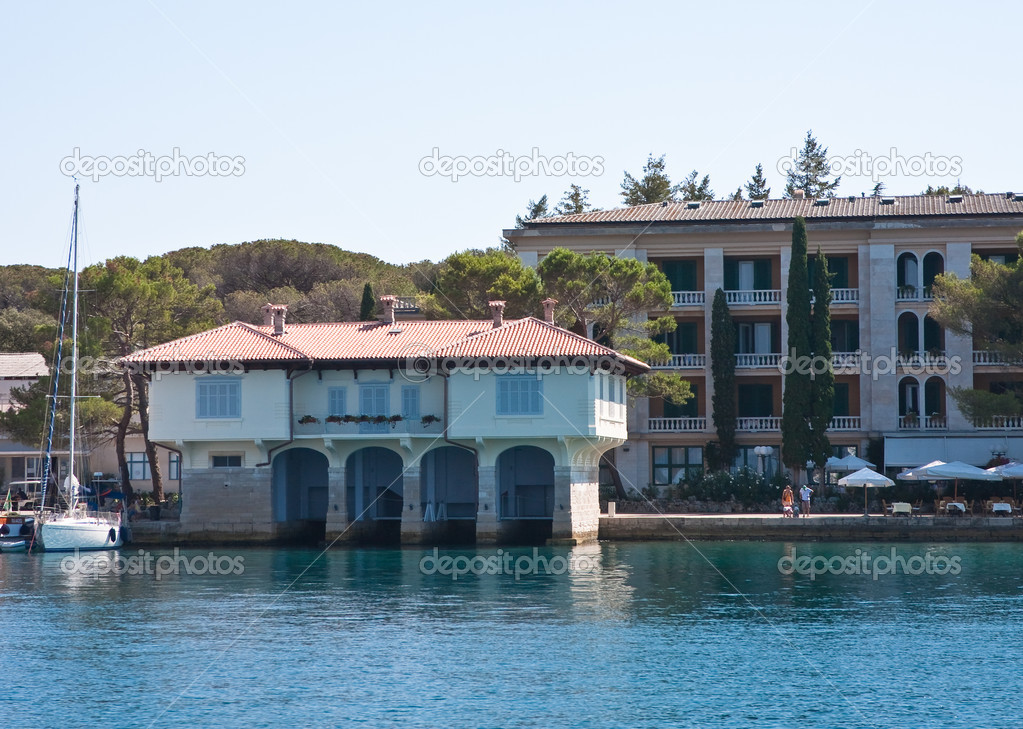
[(841, 399), (680, 274), (174, 467), (218, 397), (689, 410), (410, 402), (138, 466), (519, 395), (374, 401), (227, 461), (673, 464), (756, 401), (337, 401)]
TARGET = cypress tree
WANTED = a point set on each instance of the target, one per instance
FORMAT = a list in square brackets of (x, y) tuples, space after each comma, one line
[(368, 305), (797, 399), (722, 366), (822, 384)]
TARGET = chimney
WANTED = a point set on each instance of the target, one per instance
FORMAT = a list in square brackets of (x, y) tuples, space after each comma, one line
[(798, 194), (497, 311), (274, 315), (387, 302), (548, 309)]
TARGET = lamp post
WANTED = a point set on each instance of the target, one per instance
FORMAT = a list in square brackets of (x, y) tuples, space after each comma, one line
[(762, 452)]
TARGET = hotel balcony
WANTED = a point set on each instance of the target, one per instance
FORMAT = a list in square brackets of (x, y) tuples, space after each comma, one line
[(928, 422), (845, 422), (758, 425), (913, 293), (1000, 422), (682, 362), (841, 296), (989, 358), (757, 361), (676, 425), (753, 297), (845, 360), (688, 298)]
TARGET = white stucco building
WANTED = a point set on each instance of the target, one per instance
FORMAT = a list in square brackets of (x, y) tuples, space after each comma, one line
[(392, 430)]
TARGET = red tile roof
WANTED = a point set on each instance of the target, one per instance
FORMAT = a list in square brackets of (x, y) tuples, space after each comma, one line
[(355, 342), (838, 208)]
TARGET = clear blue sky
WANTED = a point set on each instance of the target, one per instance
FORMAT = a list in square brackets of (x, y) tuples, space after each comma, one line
[(333, 106)]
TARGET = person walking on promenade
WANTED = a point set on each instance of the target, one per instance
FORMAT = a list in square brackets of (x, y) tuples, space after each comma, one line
[(804, 500)]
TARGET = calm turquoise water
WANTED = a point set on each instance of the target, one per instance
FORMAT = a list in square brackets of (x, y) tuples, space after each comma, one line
[(667, 634)]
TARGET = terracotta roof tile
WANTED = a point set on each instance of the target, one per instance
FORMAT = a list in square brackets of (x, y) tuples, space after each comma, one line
[(381, 341), (838, 208)]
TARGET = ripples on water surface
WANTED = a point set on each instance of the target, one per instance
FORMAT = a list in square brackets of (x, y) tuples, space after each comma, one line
[(659, 636)]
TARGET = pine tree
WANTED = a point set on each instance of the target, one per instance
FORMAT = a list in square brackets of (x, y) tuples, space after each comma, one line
[(796, 401), (368, 305), (737, 195), (722, 367), (575, 201), (690, 189), (655, 185), (757, 188), (822, 384), (878, 189), (535, 209), (811, 171)]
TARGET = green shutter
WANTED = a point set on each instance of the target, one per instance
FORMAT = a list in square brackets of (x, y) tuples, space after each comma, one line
[(762, 274), (841, 399), (731, 275)]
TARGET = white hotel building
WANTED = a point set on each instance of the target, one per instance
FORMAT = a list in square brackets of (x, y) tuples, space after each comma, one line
[(894, 364)]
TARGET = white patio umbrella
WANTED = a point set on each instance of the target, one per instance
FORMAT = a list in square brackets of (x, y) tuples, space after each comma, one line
[(852, 463), (868, 480), (957, 470), (1012, 470), (919, 473)]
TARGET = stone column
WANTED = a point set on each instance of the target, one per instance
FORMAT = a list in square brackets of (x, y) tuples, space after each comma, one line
[(487, 526), (412, 525), (337, 505), (879, 283), (713, 279), (576, 505)]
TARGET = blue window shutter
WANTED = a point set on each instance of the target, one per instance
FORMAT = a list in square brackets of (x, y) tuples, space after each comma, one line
[(410, 402)]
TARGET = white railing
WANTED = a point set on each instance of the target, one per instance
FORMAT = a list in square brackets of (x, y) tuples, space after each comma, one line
[(1000, 422), (676, 425), (749, 425), (845, 359), (909, 422), (319, 425), (935, 422), (845, 296), (682, 362), (754, 298), (688, 298), (907, 293), (845, 422), (922, 359), (750, 361), (988, 357)]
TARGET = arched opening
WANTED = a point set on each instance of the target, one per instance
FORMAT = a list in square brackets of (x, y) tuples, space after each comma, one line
[(525, 491), (299, 493), (934, 402), (909, 334), (934, 265), (449, 487), (934, 337), (909, 403), (907, 275), (374, 480)]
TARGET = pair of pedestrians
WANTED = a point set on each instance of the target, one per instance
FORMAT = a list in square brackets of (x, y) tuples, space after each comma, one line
[(804, 501)]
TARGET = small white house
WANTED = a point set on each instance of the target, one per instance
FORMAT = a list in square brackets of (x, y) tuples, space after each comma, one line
[(394, 430)]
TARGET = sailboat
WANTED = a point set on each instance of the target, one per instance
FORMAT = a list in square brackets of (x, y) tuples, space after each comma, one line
[(74, 527)]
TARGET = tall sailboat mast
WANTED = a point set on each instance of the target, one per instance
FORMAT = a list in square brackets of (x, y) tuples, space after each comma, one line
[(73, 487)]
